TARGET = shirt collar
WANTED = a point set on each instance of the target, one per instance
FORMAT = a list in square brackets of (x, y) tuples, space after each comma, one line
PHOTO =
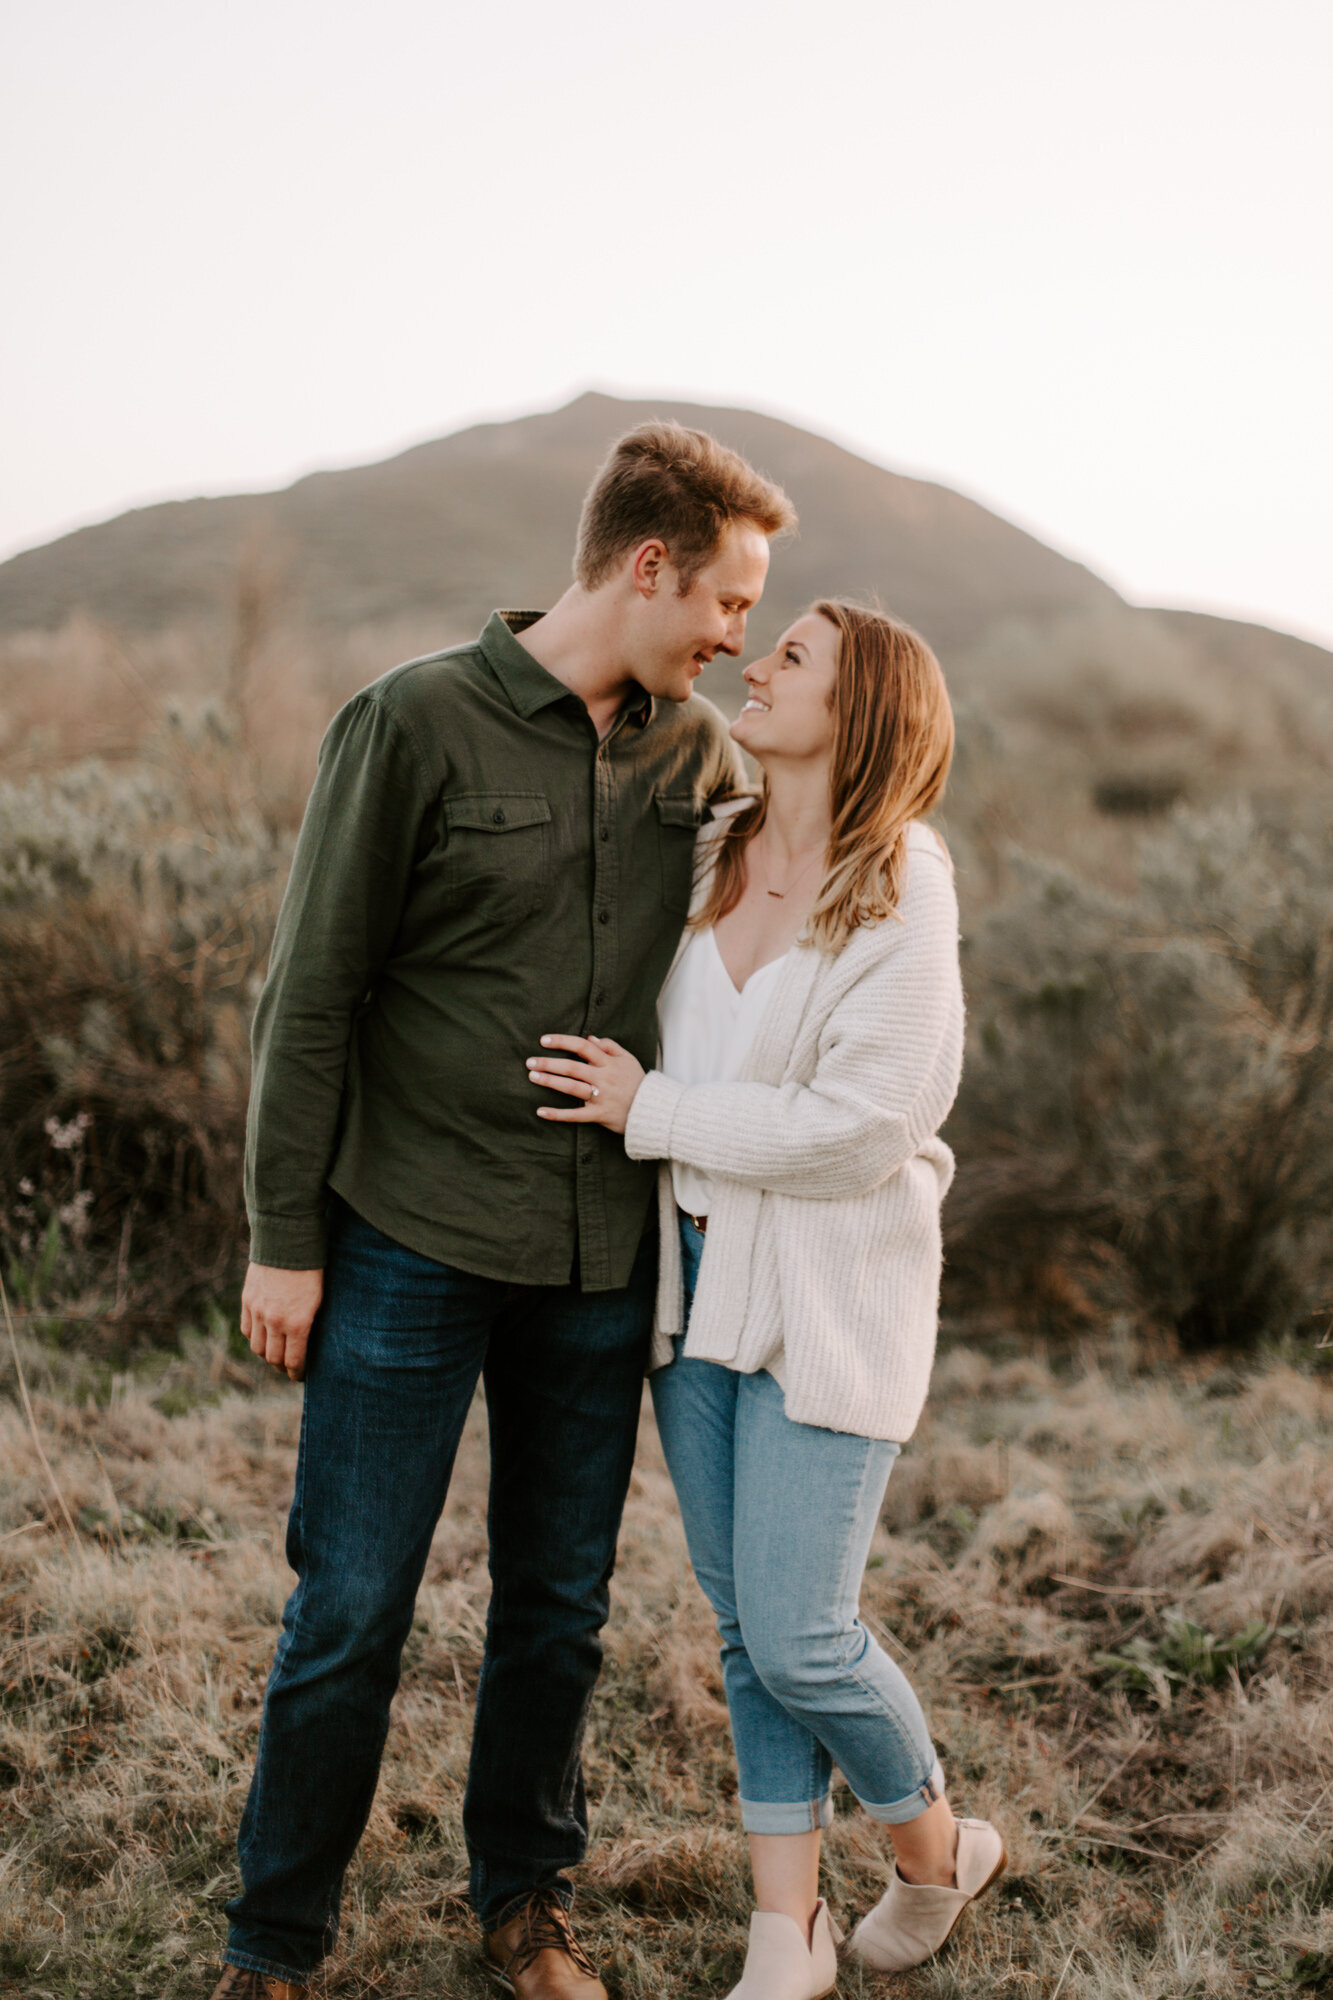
[(526, 682)]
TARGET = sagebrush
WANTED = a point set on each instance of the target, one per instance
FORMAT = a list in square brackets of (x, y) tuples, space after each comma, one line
[(1145, 1124), (1146, 1120), (136, 911)]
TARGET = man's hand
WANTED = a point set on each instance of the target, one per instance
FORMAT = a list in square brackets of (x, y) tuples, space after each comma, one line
[(277, 1309)]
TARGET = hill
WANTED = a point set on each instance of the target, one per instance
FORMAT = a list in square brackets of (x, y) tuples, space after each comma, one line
[(309, 592), (447, 530)]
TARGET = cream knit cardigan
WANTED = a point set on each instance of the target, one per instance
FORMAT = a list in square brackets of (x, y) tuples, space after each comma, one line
[(825, 1223)]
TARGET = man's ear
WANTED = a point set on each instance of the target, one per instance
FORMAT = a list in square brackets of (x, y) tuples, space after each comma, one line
[(649, 568)]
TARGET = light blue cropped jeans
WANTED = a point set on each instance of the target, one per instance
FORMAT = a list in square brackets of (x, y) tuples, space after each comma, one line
[(779, 1517)]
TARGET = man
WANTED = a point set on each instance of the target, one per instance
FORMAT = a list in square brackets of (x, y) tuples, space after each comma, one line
[(499, 844)]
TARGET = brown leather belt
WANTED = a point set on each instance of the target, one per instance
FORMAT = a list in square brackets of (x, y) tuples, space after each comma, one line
[(700, 1221)]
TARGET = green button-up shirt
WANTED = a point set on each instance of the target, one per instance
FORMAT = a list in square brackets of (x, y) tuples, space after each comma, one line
[(475, 869)]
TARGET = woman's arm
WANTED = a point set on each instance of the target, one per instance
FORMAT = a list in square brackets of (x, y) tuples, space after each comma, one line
[(886, 1075)]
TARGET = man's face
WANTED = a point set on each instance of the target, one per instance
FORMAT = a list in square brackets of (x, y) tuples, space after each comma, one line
[(675, 637)]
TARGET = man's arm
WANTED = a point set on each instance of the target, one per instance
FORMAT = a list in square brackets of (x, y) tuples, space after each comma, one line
[(337, 924)]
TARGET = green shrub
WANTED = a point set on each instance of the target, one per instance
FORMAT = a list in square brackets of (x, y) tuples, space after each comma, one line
[(1145, 1125), (136, 910), (1186, 1653), (1146, 1120)]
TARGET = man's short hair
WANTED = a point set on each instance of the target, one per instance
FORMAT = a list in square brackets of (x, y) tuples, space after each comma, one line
[(680, 486)]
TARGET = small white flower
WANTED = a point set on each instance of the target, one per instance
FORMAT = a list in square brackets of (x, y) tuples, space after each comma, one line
[(64, 1138), (74, 1214)]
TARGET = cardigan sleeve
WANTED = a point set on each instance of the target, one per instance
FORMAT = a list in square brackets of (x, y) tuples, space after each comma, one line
[(886, 1074)]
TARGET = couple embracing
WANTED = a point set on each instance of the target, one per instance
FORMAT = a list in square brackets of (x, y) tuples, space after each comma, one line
[(579, 1059)]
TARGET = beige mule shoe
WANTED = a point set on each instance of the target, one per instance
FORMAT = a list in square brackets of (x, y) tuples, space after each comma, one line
[(780, 1965), (911, 1920)]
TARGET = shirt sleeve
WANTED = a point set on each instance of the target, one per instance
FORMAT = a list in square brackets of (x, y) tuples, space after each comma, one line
[(887, 1071), (335, 929), (724, 771)]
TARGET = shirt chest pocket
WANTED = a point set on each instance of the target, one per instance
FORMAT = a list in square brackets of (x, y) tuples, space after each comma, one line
[(678, 822), (497, 856)]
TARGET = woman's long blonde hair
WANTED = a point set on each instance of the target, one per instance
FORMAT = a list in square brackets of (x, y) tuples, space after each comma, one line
[(892, 748)]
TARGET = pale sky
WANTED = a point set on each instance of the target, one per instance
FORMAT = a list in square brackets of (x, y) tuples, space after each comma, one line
[(1075, 260)]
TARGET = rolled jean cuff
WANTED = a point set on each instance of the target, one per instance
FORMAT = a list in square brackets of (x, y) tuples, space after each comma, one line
[(786, 1815), (494, 1919), (912, 1807), (245, 1961)]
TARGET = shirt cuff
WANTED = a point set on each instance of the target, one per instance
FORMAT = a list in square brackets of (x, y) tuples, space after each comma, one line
[(648, 1127), (288, 1242)]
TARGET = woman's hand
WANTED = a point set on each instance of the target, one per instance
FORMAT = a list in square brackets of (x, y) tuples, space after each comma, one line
[(606, 1079)]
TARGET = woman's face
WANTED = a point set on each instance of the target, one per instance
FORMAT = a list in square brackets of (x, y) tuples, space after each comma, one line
[(790, 711)]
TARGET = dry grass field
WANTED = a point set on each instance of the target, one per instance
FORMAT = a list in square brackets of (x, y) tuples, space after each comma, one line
[(1168, 1816), (1108, 1554)]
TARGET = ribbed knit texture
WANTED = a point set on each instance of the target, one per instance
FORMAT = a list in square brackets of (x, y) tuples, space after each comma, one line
[(828, 1172)]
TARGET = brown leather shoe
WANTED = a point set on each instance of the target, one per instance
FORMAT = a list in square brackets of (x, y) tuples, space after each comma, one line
[(238, 1985), (537, 1956)]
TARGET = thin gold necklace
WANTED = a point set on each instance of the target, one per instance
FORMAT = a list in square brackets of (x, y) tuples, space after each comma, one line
[(782, 894)]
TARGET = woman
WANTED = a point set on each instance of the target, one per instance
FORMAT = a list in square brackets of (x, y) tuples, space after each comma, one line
[(812, 1033)]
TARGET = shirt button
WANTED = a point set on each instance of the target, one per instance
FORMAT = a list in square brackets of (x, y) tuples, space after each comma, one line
[(497, 818), (603, 916), (599, 999), (606, 833), (585, 1159)]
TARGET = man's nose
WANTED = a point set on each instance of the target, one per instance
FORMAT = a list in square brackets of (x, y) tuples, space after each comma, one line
[(735, 638)]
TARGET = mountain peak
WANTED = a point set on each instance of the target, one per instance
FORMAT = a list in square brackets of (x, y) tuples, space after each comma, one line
[(486, 515)]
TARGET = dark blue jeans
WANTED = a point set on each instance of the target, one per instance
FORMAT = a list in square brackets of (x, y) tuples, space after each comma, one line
[(397, 1350)]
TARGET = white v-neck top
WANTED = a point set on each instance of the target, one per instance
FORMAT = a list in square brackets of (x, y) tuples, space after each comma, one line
[(707, 1027), (824, 1234)]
